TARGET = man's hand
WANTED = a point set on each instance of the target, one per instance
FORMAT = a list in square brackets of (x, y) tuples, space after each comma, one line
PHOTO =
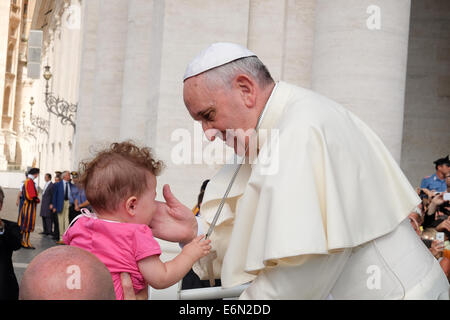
[(436, 247), (444, 225), (435, 203), (438, 200), (173, 221), (128, 290), (427, 192)]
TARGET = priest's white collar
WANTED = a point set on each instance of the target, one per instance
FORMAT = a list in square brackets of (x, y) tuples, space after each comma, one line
[(263, 112)]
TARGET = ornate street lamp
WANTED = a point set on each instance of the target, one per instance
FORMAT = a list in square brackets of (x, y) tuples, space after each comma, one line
[(62, 109), (37, 121)]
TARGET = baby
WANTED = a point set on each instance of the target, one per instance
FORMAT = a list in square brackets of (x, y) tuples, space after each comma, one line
[(120, 185)]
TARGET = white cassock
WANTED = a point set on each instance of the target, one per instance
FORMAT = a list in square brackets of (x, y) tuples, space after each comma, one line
[(326, 217)]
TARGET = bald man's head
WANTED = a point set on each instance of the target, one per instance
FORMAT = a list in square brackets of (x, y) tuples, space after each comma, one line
[(66, 273)]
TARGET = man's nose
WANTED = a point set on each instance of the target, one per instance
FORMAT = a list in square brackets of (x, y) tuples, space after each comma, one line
[(210, 133)]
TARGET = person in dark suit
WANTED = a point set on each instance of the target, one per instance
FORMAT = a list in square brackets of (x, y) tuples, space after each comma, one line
[(61, 204), (10, 240), (47, 197), (54, 215), (74, 196)]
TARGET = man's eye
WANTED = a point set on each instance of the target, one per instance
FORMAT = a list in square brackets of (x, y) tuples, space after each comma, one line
[(209, 116)]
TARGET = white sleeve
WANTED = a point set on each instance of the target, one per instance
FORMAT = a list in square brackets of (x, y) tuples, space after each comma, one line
[(312, 279)]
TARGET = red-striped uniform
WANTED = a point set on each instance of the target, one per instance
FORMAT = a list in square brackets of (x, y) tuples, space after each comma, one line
[(27, 216)]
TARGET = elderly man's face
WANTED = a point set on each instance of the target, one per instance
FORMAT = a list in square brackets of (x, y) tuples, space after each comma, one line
[(220, 110)]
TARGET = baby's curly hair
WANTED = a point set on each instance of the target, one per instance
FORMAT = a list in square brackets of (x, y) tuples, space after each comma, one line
[(117, 173)]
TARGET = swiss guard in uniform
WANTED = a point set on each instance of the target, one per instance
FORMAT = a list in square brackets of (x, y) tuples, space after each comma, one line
[(436, 181), (27, 215)]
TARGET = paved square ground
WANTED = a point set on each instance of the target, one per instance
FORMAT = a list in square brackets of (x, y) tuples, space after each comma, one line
[(22, 257)]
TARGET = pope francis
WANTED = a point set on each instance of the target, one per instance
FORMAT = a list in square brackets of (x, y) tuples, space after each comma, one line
[(327, 221)]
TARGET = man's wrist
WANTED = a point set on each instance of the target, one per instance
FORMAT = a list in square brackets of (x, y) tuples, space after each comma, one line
[(196, 231)]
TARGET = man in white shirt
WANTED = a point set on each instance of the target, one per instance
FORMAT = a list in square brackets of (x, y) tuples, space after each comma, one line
[(323, 216)]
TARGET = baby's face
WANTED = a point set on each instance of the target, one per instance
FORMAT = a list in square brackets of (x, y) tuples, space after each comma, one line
[(146, 202)]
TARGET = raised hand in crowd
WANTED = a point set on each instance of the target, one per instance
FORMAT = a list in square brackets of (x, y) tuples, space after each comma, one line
[(435, 203), (444, 225), (436, 248)]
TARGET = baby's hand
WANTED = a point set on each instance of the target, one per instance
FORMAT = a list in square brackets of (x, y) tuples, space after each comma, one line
[(197, 248)]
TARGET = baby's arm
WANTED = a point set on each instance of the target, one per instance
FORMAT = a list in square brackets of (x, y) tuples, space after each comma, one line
[(160, 275)]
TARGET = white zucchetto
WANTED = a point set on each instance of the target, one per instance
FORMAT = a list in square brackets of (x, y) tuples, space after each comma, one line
[(217, 54)]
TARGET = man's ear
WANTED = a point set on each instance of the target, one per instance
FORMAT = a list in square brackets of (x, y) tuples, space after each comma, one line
[(247, 88), (131, 205)]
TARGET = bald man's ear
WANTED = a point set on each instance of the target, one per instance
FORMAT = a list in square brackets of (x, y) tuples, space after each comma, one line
[(248, 89)]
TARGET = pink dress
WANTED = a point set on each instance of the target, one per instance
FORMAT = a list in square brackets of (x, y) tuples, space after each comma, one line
[(118, 245)]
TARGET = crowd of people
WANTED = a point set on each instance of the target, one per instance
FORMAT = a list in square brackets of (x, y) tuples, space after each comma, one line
[(61, 201), (431, 219)]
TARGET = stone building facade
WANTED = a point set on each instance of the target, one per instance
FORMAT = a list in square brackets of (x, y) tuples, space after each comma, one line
[(30, 135), (14, 134)]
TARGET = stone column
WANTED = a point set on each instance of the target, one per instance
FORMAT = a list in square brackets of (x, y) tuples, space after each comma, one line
[(137, 76), (267, 39), (4, 29), (111, 42), (86, 89), (285, 44), (298, 42), (426, 134), (104, 41), (360, 51)]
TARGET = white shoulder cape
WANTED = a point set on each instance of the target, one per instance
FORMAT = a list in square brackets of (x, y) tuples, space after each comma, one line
[(332, 184)]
